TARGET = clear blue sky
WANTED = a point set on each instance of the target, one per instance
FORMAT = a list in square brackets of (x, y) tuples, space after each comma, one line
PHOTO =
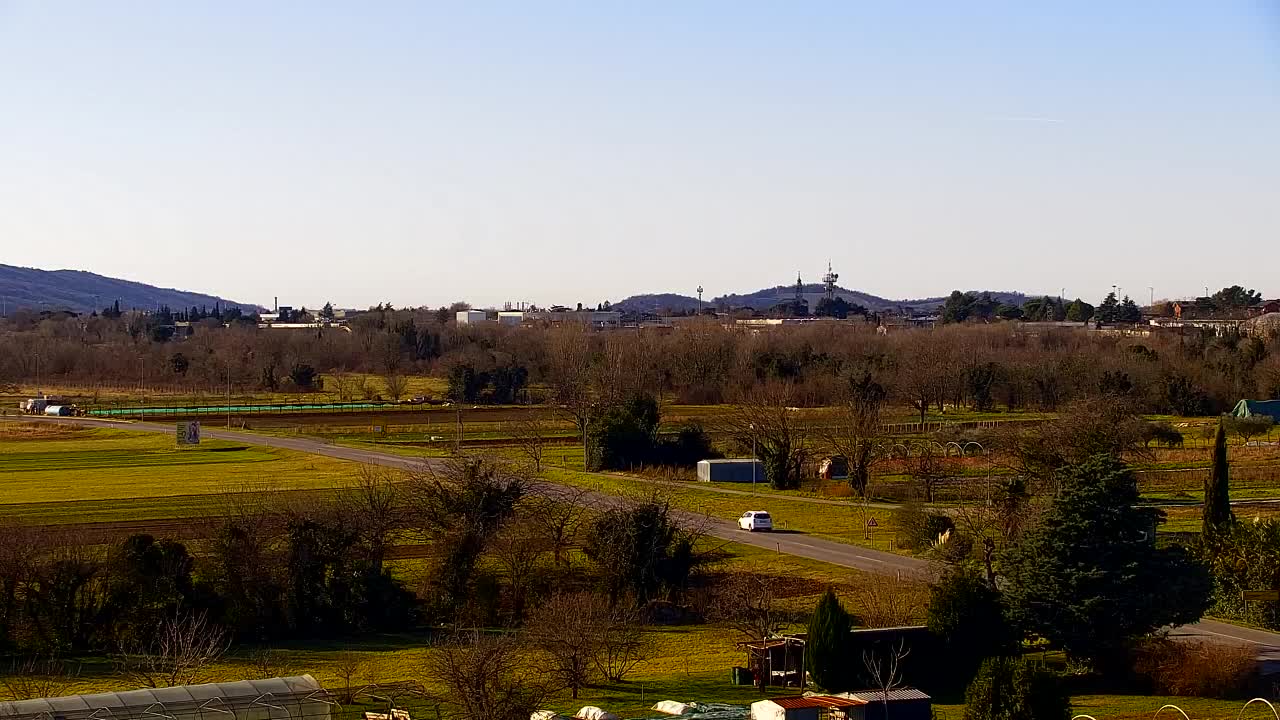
[(581, 151)]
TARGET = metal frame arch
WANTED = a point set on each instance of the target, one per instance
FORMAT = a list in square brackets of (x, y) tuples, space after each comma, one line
[(1271, 707), (1174, 707), (1087, 717)]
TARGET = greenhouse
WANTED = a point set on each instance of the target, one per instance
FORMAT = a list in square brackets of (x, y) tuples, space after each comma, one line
[(289, 698)]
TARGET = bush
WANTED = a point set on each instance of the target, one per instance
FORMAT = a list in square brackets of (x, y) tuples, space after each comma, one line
[(1195, 669), (1010, 689), (918, 528)]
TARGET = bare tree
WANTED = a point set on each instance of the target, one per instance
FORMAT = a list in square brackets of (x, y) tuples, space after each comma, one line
[(270, 663), (489, 678), (39, 677), (559, 516), (568, 629), (884, 601), (623, 645), (1247, 428), (928, 469), (517, 550), (351, 669), (885, 670), (856, 433), (396, 385), (179, 652), (923, 372), (765, 418), (375, 504), (531, 435), (343, 384), (569, 363), (746, 603)]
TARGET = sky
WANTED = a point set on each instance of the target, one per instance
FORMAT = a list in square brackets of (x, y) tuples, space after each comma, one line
[(560, 152)]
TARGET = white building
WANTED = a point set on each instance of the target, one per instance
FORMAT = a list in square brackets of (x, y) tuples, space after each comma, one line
[(471, 317), (510, 317)]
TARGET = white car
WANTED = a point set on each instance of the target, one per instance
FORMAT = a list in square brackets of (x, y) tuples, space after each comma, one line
[(753, 520)]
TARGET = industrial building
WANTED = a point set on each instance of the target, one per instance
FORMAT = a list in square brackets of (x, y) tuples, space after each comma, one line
[(471, 317)]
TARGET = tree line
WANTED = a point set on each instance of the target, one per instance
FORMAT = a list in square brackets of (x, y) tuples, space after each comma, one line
[(981, 368)]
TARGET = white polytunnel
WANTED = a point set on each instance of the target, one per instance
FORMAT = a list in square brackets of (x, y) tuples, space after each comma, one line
[(288, 698)]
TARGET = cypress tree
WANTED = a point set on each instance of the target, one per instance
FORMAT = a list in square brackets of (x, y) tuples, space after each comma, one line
[(825, 653), (1217, 498)]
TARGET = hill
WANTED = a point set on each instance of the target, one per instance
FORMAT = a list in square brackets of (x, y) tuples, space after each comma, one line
[(81, 291), (768, 297)]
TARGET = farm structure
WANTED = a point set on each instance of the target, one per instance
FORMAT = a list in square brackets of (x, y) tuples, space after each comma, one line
[(739, 470), (900, 704), (1257, 408), (812, 707), (296, 698)]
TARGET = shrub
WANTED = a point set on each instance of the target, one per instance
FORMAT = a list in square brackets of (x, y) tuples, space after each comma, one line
[(1009, 689), (1195, 668), (918, 528)]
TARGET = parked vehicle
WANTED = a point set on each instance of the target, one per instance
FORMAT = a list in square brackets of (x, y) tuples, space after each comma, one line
[(753, 520)]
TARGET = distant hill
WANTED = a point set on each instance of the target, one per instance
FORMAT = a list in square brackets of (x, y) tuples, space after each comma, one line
[(81, 291), (767, 298)]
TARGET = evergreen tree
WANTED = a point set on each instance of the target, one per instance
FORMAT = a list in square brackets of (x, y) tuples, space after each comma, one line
[(1090, 579), (968, 617), (1009, 689), (1079, 311), (1217, 499), (1109, 310), (827, 646), (1129, 311)]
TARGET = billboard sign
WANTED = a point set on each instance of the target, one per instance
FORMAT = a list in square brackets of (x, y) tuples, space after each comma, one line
[(188, 433)]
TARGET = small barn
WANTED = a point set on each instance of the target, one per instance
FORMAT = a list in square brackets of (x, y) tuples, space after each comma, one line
[(810, 707), (1255, 408), (734, 470)]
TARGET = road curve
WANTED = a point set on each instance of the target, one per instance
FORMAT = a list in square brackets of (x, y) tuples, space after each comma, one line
[(850, 556), (798, 545)]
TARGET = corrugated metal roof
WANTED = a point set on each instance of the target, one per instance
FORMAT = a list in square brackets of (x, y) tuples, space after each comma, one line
[(900, 694), (817, 701)]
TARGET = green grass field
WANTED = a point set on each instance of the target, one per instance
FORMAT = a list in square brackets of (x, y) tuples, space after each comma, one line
[(115, 474)]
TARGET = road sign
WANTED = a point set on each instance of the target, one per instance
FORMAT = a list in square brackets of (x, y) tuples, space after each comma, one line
[(1261, 595), (188, 433), (871, 522)]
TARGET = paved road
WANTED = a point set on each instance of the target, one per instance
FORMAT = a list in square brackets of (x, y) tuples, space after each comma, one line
[(796, 544), (799, 545)]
